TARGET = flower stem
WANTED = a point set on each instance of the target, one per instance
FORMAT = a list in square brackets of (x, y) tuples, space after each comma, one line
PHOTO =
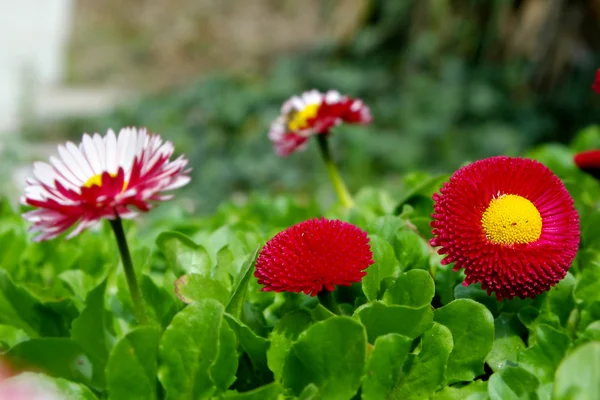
[(136, 296), (327, 300), (334, 175)]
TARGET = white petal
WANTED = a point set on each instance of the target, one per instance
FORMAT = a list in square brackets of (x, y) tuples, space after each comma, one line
[(70, 180), (80, 159), (100, 148), (90, 153), (44, 173), (71, 164), (110, 141)]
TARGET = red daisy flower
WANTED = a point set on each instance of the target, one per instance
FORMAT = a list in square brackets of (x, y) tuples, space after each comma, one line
[(103, 177), (314, 113), (312, 255), (510, 223), (589, 161), (596, 84)]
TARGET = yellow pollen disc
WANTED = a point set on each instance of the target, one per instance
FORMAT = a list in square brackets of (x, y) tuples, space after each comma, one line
[(96, 180), (299, 120), (511, 219)]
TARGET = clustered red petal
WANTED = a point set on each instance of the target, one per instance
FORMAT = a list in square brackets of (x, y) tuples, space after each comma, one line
[(589, 162), (523, 270), (314, 255), (332, 109), (103, 177), (596, 84)]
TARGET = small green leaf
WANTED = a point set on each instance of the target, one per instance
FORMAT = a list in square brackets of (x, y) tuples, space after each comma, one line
[(385, 227), (507, 342), (78, 282), (472, 327), (310, 392), (161, 304), (236, 301), (427, 372), (414, 288), (384, 366), (587, 289), (330, 354), (194, 287), (89, 330), (559, 299), (578, 375), (477, 390), (20, 309), (133, 364), (284, 334), (381, 319), (45, 387), (547, 348), (58, 357), (476, 293), (254, 345), (385, 266), (11, 336), (513, 383), (267, 392), (412, 251), (183, 255), (197, 352)]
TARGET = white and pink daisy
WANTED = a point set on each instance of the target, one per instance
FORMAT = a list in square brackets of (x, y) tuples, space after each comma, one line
[(110, 177), (314, 113)]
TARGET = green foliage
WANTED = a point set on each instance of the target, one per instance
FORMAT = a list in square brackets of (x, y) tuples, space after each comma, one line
[(408, 330)]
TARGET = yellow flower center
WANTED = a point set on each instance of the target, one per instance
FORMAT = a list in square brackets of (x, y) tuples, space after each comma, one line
[(299, 120), (96, 180), (511, 219)]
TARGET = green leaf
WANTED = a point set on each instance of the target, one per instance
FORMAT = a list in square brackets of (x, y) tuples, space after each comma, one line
[(161, 304), (11, 336), (547, 348), (590, 334), (559, 300), (194, 287), (183, 255), (58, 357), (78, 282), (310, 392), (236, 301), (45, 387), (472, 327), (282, 337), (385, 227), (412, 251), (427, 372), (414, 288), (578, 375), (385, 266), (507, 342), (513, 383), (477, 390), (330, 354), (133, 364), (20, 309), (254, 345), (384, 366), (381, 319), (89, 331), (476, 293), (587, 289), (197, 352), (267, 392)]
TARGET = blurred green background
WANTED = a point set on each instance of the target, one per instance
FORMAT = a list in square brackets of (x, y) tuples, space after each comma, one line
[(447, 82)]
